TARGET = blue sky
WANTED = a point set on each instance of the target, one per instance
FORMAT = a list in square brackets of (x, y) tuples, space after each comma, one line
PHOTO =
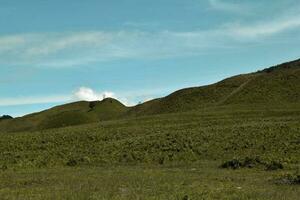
[(53, 52)]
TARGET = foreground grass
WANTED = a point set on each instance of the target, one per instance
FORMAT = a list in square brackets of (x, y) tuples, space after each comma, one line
[(175, 156), (202, 180)]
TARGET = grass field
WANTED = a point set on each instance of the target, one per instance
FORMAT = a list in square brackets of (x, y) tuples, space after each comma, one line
[(183, 137), (171, 156), (236, 139), (201, 180)]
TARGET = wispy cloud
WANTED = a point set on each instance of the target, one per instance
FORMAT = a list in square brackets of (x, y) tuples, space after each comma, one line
[(8, 43), (141, 24), (80, 48), (228, 6), (71, 49), (262, 29), (57, 42)]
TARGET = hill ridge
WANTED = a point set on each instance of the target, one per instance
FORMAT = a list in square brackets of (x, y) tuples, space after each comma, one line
[(275, 86)]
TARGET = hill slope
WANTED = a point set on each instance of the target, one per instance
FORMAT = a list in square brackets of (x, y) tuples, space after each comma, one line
[(275, 86), (278, 86), (66, 115)]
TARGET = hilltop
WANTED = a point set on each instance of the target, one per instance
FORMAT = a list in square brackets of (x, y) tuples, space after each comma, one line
[(67, 115), (274, 87), (5, 117)]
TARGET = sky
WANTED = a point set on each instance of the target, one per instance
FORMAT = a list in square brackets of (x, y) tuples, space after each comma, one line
[(54, 52)]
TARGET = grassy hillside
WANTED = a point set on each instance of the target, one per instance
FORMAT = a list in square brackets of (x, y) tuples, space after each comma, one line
[(185, 137), (168, 148), (278, 86), (193, 98), (66, 115), (167, 156)]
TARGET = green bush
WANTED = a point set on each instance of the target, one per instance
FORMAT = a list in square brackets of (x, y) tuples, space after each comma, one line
[(233, 164), (242, 163), (72, 162), (274, 166), (290, 179), (251, 163), (3, 167)]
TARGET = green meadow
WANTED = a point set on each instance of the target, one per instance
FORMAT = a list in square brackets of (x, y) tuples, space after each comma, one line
[(236, 139), (171, 156)]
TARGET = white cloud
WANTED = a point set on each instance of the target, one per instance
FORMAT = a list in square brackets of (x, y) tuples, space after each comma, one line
[(88, 94), (128, 98), (81, 94)]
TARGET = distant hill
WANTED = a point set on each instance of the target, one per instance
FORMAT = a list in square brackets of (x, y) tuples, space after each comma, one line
[(81, 113), (67, 115), (5, 117), (272, 87)]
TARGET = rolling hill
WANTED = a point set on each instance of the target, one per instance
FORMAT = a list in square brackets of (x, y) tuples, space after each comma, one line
[(177, 144), (275, 87), (66, 115), (5, 117)]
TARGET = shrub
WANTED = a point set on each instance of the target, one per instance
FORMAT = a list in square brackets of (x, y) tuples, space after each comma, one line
[(72, 162), (290, 179), (3, 167), (233, 164), (85, 160), (92, 104), (274, 166), (251, 163), (244, 163)]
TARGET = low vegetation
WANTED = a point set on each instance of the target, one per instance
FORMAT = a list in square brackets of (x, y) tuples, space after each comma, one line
[(185, 137), (290, 178), (168, 148), (252, 163)]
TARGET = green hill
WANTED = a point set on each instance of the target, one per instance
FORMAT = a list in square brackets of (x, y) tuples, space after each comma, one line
[(66, 115), (168, 148), (193, 98), (5, 117), (274, 87)]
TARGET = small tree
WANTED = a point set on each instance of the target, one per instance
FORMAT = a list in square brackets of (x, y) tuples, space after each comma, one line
[(92, 104)]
